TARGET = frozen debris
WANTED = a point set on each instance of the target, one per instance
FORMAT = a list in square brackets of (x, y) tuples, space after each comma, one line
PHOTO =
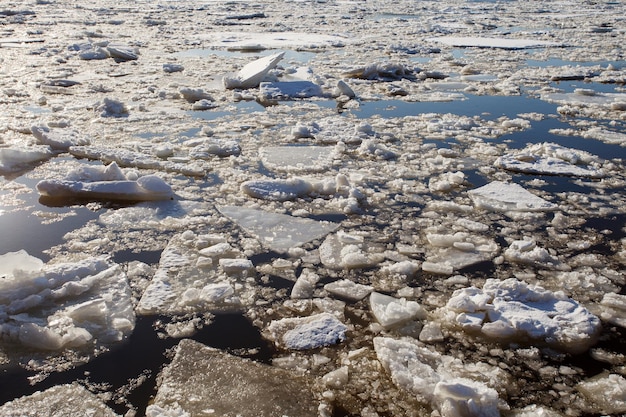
[(607, 136), (552, 159), (277, 189), (122, 53), (435, 379), (527, 252), (345, 251), (133, 159), (215, 147), (305, 285), (88, 51), (58, 401), (349, 290), (106, 183), (279, 232), (392, 312), (338, 378), (193, 95), (534, 411), (344, 89), (383, 71), (109, 107), (446, 182), (171, 68), (200, 372), (196, 273), (450, 252), (605, 394), (583, 97), (64, 305), (512, 311), (288, 90), (253, 73), (304, 333), (431, 333), (502, 43), (17, 158), (613, 309), (373, 148), (58, 139), (298, 158), (501, 196)]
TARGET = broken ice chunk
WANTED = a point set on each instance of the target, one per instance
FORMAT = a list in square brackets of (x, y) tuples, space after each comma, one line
[(613, 309), (19, 264), (278, 232), (349, 290), (277, 189), (297, 158), (106, 183), (122, 53), (251, 75), (307, 332), (552, 159), (228, 386), (390, 311), (527, 252), (515, 310), (289, 90), (305, 285), (58, 138), (342, 250), (60, 400), (501, 196), (605, 393), (14, 158)]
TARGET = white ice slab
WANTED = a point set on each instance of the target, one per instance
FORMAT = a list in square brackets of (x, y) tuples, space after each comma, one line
[(289, 90), (515, 310), (345, 251), (60, 139), (391, 312), (251, 75), (486, 42), (551, 159), (297, 158), (277, 189), (347, 289), (501, 196), (59, 401), (206, 381), (16, 158), (605, 393), (312, 332), (278, 232)]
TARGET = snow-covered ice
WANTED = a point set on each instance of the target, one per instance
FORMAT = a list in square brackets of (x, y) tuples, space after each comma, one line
[(503, 196)]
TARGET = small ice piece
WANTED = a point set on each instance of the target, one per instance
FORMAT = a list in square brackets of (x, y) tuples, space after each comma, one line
[(14, 158), (289, 90), (122, 53), (305, 285), (337, 379), (343, 89), (527, 252), (442, 268), (279, 232), (203, 381), (277, 189), (19, 263), (391, 312), (61, 400), (347, 289), (344, 251), (613, 309), (551, 159), (384, 71), (297, 158), (484, 42), (501, 196), (106, 183), (60, 139), (217, 147), (515, 310), (194, 94), (109, 107), (605, 394), (431, 333), (170, 68), (307, 332), (251, 75)]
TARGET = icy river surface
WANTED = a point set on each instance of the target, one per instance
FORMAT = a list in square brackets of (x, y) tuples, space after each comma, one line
[(312, 208)]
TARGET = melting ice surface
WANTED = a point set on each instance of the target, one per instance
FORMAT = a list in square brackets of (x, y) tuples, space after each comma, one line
[(425, 223)]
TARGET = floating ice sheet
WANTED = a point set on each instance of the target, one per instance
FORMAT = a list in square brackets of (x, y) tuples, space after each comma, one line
[(14, 158), (551, 159), (502, 43), (289, 90), (512, 310), (278, 232), (311, 332), (202, 378), (501, 196), (297, 158), (59, 401)]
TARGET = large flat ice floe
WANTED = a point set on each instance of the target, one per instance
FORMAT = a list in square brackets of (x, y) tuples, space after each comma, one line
[(487, 42), (502, 196), (200, 379), (514, 311)]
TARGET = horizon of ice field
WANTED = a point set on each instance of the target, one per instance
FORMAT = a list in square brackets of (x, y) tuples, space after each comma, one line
[(312, 208)]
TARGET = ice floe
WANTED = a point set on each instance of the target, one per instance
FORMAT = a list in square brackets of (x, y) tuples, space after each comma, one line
[(503, 196), (15, 159), (311, 332), (105, 183), (485, 42), (512, 311)]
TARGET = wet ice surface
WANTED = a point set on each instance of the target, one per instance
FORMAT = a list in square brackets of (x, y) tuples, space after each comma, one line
[(371, 208)]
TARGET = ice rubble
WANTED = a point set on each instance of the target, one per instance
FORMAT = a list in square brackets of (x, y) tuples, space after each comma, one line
[(201, 380), (511, 310), (552, 159), (298, 158), (392, 312), (606, 393), (60, 401), (438, 379), (63, 305), (106, 183), (501, 196), (58, 139), (301, 333)]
